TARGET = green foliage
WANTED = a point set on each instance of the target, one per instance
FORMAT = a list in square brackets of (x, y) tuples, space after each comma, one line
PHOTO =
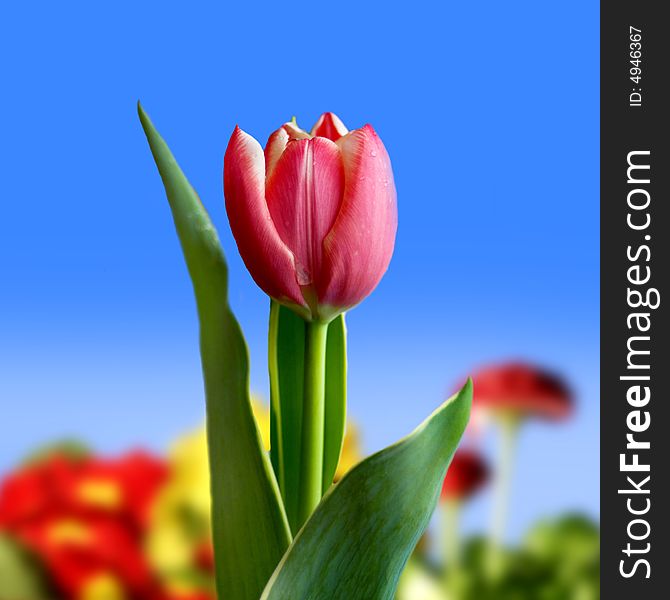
[(357, 541), (558, 560), (569, 548), (336, 398), (20, 578), (250, 528), (69, 448)]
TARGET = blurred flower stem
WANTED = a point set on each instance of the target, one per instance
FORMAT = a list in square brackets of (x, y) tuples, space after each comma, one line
[(508, 424), (311, 466), (451, 534)]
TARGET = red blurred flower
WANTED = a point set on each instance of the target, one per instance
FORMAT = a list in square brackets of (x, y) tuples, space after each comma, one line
[(467, 473), (187, 595), (521, 389), (82, 486), (205, 556), (314, 217), (74, 550), (84, 518), (36, 490)]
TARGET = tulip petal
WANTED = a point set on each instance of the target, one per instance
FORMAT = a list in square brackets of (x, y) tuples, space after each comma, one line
[(274, 149), (358, 249), (277, 144), (304, 195), (295, 132), (267, 258), (329, 126)]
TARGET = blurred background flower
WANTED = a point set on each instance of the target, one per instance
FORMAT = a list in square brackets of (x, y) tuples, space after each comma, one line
[(557, 559), (508, 394), (78, 517), (467, 473), (77, 526)]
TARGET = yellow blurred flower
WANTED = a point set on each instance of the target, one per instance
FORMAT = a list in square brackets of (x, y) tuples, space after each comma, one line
[(103, 586), (352, 452), (180, 516), (180, 526), (69, 532)]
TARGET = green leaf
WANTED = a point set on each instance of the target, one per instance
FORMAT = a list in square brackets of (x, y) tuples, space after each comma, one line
[(20, 577), (357, 541), (286, 360), (249, 524), (336, 398), (71, 449)]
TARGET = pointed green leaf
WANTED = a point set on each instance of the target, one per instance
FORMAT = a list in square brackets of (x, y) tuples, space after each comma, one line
[(249, 524), (336, 398), (357, 541), (286, 360)]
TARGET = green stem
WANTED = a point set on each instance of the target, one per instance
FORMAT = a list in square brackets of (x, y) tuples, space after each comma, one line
[(313, 420), (509, 427)]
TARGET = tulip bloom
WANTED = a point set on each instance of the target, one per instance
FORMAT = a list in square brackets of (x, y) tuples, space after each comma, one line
[(315, 216)]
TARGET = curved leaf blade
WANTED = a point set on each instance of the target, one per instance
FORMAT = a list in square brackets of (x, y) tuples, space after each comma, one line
[(249, 524), (357, 542)]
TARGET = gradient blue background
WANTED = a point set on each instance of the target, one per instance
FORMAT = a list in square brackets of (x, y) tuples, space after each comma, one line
[(490, 114)]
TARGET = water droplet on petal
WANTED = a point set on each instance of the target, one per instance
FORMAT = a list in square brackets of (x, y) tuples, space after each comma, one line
[(302, 275), (373, 153)]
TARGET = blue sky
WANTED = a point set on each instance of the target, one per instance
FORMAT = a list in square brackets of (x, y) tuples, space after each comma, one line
[(492, 127)]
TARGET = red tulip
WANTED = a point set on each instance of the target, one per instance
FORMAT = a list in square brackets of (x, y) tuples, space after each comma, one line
[(315, 217), (466, 474)]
